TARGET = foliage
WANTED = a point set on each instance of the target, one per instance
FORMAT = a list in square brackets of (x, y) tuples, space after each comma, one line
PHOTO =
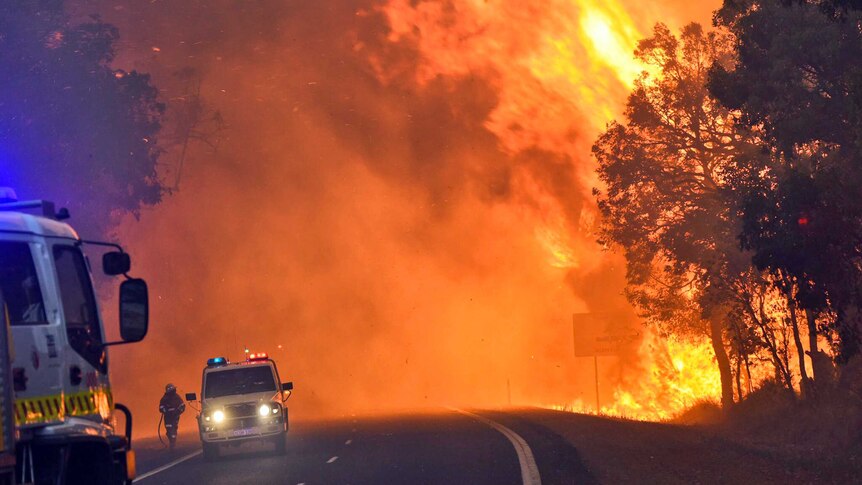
[(72, 128), (798, 78), (704, 204), (668, 200)]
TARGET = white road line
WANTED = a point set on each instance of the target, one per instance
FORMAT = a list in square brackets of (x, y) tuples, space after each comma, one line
[(332, 460), (348, 442), (529, 470), (169, 465)]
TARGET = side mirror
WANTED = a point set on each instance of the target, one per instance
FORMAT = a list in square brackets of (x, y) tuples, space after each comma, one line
[(190, 396), (134, 310), (287, 386), (116, 263)]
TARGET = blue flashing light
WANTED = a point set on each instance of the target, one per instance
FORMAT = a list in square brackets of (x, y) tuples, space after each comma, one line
[(7, 194), (216, 361)]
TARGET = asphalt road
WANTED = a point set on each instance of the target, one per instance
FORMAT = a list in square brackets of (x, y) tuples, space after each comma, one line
[(521, 446), (448, 447)]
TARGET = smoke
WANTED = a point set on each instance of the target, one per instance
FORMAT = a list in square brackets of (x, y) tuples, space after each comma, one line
[(397, 208)]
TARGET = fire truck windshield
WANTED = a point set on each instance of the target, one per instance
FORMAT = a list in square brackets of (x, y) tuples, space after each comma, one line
[(20, 284), (239, 380)]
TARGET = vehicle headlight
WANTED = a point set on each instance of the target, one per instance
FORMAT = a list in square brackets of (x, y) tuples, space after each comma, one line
[(264, 410), (218, 416)]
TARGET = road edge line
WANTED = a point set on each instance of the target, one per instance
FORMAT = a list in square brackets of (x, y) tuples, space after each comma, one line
[(169, 465), (529, 469)]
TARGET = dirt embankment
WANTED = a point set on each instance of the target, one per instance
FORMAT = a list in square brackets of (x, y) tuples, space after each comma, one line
[(623, 451), (821, 435)]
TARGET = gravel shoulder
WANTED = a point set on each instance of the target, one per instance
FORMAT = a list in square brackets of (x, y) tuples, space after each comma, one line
[(622, 451)]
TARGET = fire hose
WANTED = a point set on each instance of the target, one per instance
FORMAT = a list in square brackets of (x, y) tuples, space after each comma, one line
[(163, 421), (159, 428)]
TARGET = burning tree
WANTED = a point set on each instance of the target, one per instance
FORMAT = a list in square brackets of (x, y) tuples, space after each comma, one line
[(798, 77), (664, 171), (670, 173), (728, 180)]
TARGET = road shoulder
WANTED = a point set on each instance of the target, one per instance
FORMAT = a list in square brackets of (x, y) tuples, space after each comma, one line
[(623, 451), (558, 460)]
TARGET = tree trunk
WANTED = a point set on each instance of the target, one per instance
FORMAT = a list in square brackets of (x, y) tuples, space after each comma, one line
[(715, 336), (822, 367), (811, 320), (748, 375), (800, 351), (740, 352), (781, 373)]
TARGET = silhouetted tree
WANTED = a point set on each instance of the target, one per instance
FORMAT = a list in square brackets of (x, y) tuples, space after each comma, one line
[(72, 128), (190, 119), (798, 76), (668, 201)]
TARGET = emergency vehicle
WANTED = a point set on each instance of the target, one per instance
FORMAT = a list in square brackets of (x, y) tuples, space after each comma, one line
[(64, 409), (7, 405), (242, 402)]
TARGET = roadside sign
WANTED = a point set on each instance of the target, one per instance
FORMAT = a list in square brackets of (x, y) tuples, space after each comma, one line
[(604, 333)]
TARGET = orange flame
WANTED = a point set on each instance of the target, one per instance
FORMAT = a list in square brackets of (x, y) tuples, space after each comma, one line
[(677, 374), (461, 306), (560, 65), (562, 70)]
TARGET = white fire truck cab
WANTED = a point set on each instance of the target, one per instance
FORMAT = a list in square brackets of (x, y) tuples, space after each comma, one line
[(62, 395), (242, 402)]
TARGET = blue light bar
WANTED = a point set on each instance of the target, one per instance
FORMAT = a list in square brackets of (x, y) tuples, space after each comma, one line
[(216, 361), (7, 194)]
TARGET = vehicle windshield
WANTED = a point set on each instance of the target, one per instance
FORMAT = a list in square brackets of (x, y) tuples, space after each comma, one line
[(242, 380), (20, 284)]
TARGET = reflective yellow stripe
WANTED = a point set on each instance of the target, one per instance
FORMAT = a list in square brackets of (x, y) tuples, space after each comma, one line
[(46, 409)]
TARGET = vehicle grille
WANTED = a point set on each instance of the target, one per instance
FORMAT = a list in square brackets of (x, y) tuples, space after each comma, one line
[(242, 410), (241, 423)]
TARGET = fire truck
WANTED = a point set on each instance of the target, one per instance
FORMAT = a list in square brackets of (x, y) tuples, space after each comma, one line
[(7, 406), (63, 407)]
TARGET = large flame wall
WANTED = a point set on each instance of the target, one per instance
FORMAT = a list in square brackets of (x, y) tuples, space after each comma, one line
[(399, 208)]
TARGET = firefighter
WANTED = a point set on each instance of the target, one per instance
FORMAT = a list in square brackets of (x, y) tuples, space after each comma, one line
[(171, 406)]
